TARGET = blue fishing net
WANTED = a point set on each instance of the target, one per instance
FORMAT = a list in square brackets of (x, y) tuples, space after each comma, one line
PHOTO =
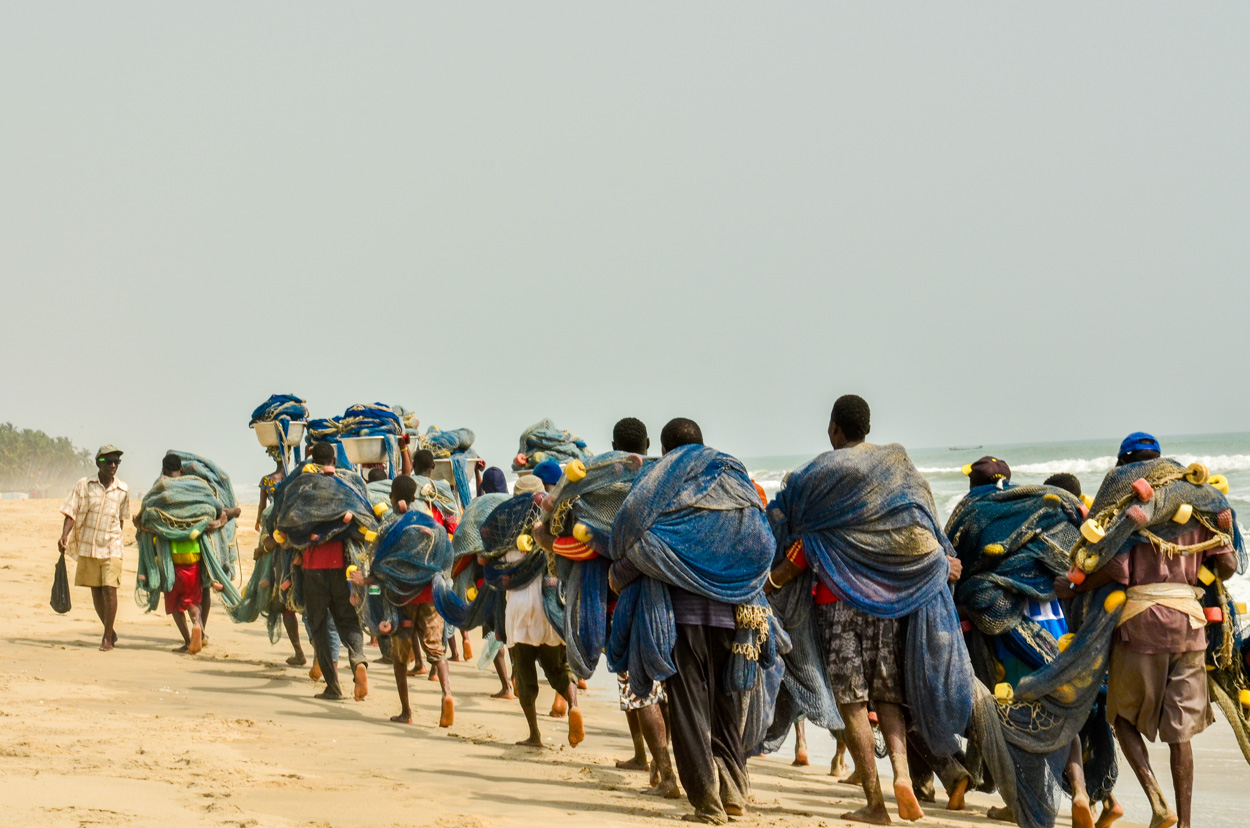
[(180, 508), (543, 441), (312, 507), (692, 520), (365, 420), (411, 549), (592, 501), (282, 409), (1013, 542), (456, 444)]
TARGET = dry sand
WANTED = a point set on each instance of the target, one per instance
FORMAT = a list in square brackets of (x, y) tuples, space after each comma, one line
[(233, 737)]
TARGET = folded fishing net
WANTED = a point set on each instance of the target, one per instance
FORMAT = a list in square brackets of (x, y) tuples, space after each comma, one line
[(691, 520), (411, 549), (457, 446), (180, 508), (365, 420), (1013, 542), (543, 441), (579, 514), (507, 526), (282, 409)]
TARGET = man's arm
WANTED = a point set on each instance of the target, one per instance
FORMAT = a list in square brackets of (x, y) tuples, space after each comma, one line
[(66, 528)]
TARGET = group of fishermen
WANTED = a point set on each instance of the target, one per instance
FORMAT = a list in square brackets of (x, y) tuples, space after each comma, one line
[(1034, 625)]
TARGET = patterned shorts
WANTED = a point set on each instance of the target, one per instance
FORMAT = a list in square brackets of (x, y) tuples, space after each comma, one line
[(631, 702), (862, 654)]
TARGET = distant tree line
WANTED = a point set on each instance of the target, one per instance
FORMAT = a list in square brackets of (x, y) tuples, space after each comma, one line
[(33, 462)]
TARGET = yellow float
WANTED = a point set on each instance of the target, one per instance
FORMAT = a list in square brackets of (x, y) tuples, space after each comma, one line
[(575, 471), (582, 532), (1115, 600), (1183, 513), (1092, 532)]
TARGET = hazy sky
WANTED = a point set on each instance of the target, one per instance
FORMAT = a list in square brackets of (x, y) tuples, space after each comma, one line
[(996, 222)]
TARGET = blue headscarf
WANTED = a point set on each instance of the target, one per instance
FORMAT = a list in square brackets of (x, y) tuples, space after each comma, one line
[(493, 482)]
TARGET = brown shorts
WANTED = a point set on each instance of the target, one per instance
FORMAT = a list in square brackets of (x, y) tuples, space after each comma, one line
[(862, 654), (1163, 694), (422, 623), (98, 572)]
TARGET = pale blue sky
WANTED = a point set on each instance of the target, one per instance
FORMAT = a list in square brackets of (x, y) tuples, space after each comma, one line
[(997, 222)]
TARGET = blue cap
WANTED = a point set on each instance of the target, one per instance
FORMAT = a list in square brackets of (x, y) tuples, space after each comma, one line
[(1139, 441), (548, 471)]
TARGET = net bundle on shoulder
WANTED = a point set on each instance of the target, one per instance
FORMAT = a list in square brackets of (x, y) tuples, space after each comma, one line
[(543, 441)]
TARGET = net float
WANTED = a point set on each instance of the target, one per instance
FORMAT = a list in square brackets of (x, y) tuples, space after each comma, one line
[(1115, 600), (1142, 489), (1077, 576), (525, 543), (965, 626), (380, 509), (1205, 575), (521, 460), (1003, 692), (1197, 474), (993, 549), (1215, 615), (1225, 520), (1137, 514), (575, 471), (1220, 482), (1183, 513), (1092, 532), (1065, 641), (582, 532), (347, 517)]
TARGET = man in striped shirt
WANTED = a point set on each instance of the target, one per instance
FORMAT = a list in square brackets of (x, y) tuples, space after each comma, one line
[(95, 511)]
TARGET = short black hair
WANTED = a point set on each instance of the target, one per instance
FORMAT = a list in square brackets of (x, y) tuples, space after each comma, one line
[(1065, 481), (170, 464), (1137, 456), (851, 414), (403, 488), (376, 474), (680, 432), (322, 454), (423, 462), (630, 434)]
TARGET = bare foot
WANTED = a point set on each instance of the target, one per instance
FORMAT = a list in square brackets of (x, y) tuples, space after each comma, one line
[(800, 757), (403, 718), (1166, 820), (955, 802), (1082, 813), (297, 660), (183, 648), (197, 641), (468, 650), (106, 644), (853, 778), (581, 684), (448, 716), (837, 768), (908, 806), (328, 696), (735, 810), (362, 682), (433, 676), (1002, 813), (314, 672), (1110, 813), (113, 637), (577, 733), (706, 819), (667, 789), (632, 764), (533, 741), (503, 694), (869, 814), (559, 707)]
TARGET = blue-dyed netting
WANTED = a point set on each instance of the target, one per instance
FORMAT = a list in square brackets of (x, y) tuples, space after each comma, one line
[(543, 441), (282, 409), (179, 508), (411, 549), (692, 520)]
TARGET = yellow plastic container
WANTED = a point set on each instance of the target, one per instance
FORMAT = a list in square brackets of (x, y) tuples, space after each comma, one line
[(1183, 514)]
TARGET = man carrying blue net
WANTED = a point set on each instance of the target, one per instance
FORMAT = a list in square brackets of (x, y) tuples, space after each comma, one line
[(691, 549), (863, 519)]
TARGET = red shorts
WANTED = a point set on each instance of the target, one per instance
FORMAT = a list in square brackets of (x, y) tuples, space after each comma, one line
[(187, 590)]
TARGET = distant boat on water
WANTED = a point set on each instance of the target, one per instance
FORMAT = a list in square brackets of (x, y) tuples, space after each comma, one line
[(964, 448)]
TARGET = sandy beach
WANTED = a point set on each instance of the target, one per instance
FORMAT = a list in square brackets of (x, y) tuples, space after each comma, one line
[(233, 737)]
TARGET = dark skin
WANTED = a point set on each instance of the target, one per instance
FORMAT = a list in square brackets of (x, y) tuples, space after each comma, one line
[(400, 668), (858, 734), (279, 474), (103, 598), (289, 621), (1130, 738)]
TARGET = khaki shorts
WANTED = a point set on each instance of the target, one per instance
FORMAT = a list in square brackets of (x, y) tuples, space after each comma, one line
[(422, 623), (98, 572), (1161, 694)]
